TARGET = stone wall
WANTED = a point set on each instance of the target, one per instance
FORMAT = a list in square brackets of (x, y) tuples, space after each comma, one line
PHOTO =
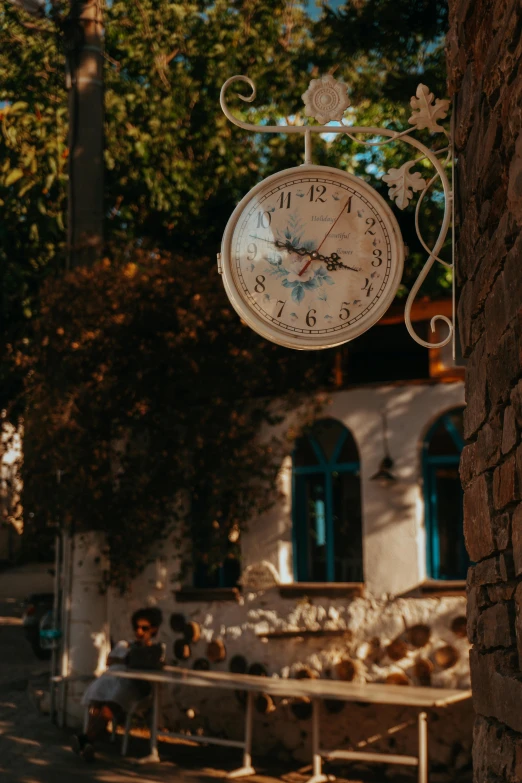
[(395, 629), (484, 55), (410, 640), (335, 632)]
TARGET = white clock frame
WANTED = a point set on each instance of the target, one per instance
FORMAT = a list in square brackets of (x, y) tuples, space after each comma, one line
[(326, 100), (317, 342)]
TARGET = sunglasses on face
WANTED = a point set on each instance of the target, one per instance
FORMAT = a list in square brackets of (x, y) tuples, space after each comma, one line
[(140, 627)]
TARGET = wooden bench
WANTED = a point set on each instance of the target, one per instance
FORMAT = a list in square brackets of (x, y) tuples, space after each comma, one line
[(419, 698)]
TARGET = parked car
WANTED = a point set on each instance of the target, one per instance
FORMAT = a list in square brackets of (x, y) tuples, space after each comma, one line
[(36, 606), (49, 635)]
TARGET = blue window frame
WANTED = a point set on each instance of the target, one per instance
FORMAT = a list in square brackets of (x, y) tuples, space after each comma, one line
[(443, 498), (326, 506)]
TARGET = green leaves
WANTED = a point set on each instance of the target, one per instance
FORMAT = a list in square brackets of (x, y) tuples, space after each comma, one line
[(142, 378), (33, 187), (18, 107), (163, 116), (13, 176), (138, 374)]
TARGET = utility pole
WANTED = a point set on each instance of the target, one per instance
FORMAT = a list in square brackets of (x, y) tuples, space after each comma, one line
[(83, 35), (82, 575), (84, 609)]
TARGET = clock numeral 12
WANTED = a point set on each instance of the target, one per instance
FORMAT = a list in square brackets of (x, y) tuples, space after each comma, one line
[(320, 190)]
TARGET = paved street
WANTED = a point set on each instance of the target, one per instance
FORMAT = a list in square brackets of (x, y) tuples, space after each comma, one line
[(33, 750)]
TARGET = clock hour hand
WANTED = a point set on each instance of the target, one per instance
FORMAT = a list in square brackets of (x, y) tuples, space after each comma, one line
[(332, 262)]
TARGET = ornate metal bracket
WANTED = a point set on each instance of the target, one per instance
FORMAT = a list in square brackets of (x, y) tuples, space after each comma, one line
[(326, 100)]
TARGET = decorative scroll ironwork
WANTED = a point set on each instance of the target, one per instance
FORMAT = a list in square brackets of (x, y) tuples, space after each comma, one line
[(326, 100)]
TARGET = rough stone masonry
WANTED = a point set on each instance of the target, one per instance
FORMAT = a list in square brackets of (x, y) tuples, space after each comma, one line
[(484, 53)]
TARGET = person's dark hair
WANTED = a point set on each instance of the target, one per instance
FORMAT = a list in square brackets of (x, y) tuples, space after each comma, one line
[(151, 614)]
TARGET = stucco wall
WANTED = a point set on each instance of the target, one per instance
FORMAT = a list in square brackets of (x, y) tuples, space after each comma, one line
[(11, 524), (359, 630), (365, 626), (85, 620), (394, 543), (334, 628)]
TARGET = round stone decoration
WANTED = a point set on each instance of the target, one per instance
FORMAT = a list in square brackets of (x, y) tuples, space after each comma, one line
[(458, 626), (418, 635)]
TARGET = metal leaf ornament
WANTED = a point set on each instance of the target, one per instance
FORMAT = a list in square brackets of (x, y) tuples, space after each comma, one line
[(402, 183), (326, 99), (426, 113)]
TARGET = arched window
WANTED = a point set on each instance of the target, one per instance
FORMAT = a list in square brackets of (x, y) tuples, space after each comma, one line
[(326, 506), (447, 556)]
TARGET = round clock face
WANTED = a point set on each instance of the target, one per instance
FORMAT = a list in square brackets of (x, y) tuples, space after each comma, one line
[(312, 257)]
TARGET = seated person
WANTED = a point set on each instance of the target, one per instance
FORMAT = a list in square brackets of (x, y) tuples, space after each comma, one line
[(109, 698)]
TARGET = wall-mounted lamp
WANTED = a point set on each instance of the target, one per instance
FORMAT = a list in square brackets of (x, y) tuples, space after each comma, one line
[(384, 475)]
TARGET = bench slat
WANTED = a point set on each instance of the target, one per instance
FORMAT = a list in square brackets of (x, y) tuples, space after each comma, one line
[(360, 755), (369, 693)]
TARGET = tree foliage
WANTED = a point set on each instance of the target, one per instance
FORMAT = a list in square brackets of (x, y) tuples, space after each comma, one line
[(138, 379), (148, 395), (33, 166), (175, 166)]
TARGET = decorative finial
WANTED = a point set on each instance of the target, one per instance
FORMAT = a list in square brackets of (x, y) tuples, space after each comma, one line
[(326, 99)]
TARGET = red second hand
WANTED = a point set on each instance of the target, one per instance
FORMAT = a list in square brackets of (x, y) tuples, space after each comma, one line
[(324, 239)]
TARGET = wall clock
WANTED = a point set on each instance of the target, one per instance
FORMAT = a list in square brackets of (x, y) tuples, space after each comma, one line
[(313, 256)]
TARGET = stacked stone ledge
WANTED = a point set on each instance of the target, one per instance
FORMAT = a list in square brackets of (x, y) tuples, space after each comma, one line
[(484, 49)]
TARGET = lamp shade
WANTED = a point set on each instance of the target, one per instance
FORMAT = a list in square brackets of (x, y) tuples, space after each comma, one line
[(384, 475)]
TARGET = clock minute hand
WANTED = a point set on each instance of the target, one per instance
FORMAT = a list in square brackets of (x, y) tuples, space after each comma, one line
[(262, 239), (301, 251)]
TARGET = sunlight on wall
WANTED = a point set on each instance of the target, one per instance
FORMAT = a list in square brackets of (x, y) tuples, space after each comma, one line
[(421, 533), (285, 565)]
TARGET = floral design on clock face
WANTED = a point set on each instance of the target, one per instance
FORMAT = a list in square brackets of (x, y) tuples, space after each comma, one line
[(313, 255)]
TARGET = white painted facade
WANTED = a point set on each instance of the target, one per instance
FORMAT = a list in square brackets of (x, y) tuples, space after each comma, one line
[(394, 551), (394, 542), (11, 525)]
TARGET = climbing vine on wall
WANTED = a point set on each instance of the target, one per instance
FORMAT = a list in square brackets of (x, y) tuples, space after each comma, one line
[(151, 397)]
